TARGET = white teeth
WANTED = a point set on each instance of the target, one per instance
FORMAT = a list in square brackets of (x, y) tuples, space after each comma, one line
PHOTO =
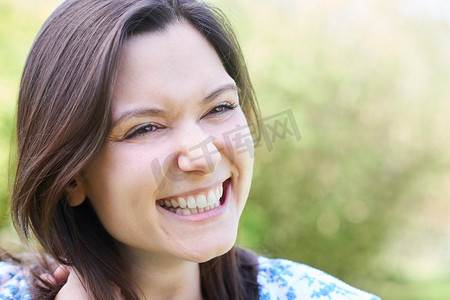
[(217, 192), (194, 204), (211, 198), (201, 201), (191, 202), (182, 202)]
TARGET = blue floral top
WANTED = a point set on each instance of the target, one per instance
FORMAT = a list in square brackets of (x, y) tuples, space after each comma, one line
[(278, 279), (12, 283), (281, 279)]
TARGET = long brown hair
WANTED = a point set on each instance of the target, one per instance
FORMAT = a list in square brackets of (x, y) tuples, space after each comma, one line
[(63, 119)]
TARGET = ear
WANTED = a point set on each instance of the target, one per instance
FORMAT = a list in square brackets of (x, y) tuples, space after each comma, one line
[(75, 193)]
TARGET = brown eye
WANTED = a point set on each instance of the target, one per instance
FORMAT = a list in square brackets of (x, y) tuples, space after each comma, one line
[(221, 108), (143, 130)]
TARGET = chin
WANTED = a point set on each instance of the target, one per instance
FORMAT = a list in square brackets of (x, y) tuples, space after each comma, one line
[(204, 254), (209, 257)]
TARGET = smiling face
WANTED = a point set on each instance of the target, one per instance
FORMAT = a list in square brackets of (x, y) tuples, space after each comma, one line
[(170, 182)]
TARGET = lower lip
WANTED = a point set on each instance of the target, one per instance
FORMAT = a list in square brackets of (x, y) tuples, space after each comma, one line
[(207, 215)]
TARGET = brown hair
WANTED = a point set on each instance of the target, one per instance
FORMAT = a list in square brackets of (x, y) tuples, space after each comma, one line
[(63, 119)]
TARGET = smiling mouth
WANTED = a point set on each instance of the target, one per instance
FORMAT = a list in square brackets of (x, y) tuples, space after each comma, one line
[(196, 203)]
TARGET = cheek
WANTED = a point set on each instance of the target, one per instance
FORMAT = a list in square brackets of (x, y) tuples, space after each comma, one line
[(118, 174), (233, 137), (236, 141), (120, 183), (127, 173)]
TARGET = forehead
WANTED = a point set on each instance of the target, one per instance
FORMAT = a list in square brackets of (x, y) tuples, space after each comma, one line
[(175, 64)]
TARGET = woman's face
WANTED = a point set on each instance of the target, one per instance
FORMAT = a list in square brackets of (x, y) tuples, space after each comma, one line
[(170, 181)]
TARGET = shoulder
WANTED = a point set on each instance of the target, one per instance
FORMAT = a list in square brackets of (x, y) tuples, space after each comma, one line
[(13, 284), (284, 279)]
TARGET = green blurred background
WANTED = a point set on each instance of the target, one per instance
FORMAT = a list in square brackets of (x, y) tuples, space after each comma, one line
[(365, 194)]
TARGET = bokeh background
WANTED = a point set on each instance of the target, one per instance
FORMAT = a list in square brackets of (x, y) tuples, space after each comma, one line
[(364, 195)]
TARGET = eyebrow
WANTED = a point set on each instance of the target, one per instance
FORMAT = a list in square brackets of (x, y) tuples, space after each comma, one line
[(139, 112), (218, 91), (152, 112)]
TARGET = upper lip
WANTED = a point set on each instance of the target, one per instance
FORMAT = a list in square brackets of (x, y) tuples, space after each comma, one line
[(196, 191)]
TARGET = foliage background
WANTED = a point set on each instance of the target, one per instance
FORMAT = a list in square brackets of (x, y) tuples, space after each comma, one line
[(365, 194)]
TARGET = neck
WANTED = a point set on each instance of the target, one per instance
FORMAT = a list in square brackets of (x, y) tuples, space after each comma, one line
[(166, 278)]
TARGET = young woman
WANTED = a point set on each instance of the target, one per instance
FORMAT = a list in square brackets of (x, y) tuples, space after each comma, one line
[(128, 174)]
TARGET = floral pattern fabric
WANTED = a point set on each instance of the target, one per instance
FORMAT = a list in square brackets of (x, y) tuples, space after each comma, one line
[(13, 285), (280, 279)]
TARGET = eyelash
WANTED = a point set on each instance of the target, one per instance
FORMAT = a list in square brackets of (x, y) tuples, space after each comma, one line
[(224, 107), (144, 129)]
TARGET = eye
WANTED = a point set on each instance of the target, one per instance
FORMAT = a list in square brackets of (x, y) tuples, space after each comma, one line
[(142, 130), (221, 108)]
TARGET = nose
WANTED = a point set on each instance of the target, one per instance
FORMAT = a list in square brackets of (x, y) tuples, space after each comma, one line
[(198, 151)]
